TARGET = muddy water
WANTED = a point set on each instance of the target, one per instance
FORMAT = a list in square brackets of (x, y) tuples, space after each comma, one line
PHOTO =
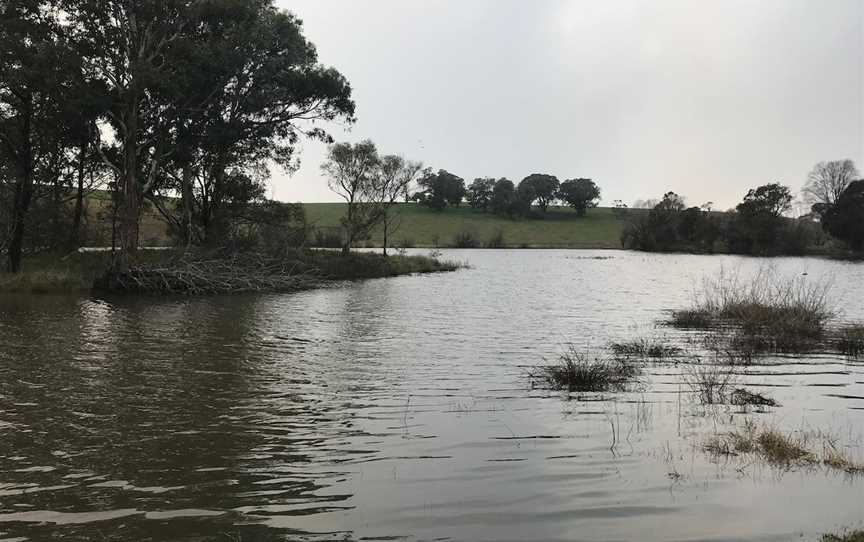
[(399, 408)]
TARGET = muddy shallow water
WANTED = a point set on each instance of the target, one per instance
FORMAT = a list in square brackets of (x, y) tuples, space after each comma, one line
[(400, 408)]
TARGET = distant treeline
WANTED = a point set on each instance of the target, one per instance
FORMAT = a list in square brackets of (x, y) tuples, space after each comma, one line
[(531, 197), (758, 224)]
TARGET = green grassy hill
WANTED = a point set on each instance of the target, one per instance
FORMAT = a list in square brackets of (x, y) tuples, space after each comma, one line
[(423, 227)]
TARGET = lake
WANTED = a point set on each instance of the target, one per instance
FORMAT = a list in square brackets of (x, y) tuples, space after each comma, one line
[(400, 409)]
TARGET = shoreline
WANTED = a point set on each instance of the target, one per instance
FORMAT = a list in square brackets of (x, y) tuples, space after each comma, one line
[(159, 273)]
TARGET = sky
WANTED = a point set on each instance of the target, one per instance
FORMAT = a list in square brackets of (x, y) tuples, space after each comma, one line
[(707, 99)]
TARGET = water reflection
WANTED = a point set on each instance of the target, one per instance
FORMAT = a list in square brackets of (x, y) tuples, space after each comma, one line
[(395, 408)]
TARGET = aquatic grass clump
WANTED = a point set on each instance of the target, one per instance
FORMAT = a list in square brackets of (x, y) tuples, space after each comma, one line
[(785, 450), (773, 446), (645, 347), (576, 371)]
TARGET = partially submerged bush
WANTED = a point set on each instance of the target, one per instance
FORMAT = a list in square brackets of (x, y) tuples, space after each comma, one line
[(850, 340), (766, 304), (711, 383), (645, 347), (576, 371)]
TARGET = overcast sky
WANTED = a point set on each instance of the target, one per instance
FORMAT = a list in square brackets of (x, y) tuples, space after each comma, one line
[(704, 98)]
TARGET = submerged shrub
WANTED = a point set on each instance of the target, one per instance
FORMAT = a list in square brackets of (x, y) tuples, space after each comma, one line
[(575, 371)]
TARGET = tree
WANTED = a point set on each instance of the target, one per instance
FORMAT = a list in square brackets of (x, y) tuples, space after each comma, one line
[(369, 184), (758, 221), (36, 82), (845, 219), (671, 202), (503, 197), (350, 170), (393, 178), (204, 88), (479, 193), (441, 189), (581, 194), (827, 181), (541, 188), (770, 200)]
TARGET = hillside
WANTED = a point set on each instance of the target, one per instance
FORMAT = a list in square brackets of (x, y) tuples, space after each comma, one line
[(423, 227)]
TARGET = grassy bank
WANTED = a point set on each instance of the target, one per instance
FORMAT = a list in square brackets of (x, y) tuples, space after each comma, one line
[(423, 227), (178, 272)]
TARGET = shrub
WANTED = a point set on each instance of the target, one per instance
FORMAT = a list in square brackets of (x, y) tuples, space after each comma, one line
[(496, 240), (466, 239), (329, 238)]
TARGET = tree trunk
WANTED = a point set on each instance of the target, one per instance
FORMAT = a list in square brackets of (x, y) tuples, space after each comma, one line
[(188, 202), (22, 198), (386, 223), (75, 238), (23, 195), (129, 198)]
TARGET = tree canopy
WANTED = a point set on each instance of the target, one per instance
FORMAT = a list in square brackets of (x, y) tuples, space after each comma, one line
[(580, 194), (845, 219)]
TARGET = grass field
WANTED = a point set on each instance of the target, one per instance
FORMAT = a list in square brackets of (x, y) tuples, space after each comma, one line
[(423, 227)]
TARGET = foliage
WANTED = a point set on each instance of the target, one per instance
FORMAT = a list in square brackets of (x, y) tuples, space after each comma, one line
[(581, 194), (369, 184), (845, 219), (173, 98), (440, 190), (479, 193), (672, 226), (541, 188), (503, 198)]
